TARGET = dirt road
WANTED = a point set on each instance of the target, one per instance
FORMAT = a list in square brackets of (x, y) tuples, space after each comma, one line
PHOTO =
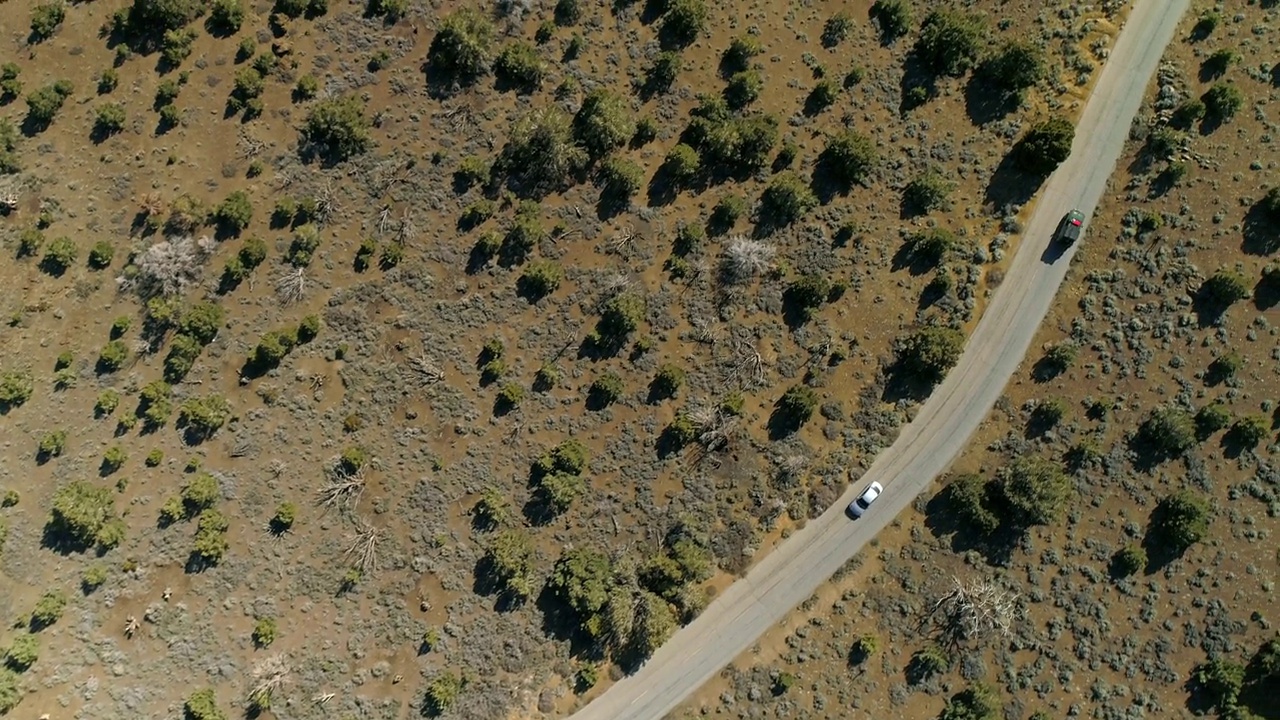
[(791, 573)]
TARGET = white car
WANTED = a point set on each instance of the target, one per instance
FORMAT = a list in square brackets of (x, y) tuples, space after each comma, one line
[(868, 496)]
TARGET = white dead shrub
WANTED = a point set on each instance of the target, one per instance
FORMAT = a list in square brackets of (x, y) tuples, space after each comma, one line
[(744, 259), (168, 267)]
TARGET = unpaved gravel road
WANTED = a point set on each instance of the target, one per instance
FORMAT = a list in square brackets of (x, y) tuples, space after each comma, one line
[(794, 570)]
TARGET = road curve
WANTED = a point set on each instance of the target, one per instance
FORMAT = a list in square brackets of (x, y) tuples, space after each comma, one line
[(793, 571)]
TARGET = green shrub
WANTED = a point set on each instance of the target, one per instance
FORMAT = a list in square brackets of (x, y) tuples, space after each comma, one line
[(154, 458), (606, 389), (203, 705), (48, 609), (797, 404), (203, 416), (286, 514), (264, 632), (101, 254), (112, 356), (1221, 681), (931, 352), (53, 444), (823, 95), (519, 66), (683, 22), (737, 57), (1225, 287), (113, 459), (1222, 101), (976, 702), (16, 387), (928, 191), (108, 401), (29, 242), (849, 158), (472, 170), (155, 404), (10, 690), (83, 514), (949, 41), (202, 322), (235, 212), (460, 49), (1033, 491), (666, 383), (272, 348), (22, 652), (542, 155), (176, 45), (620, 316), (60, 256), (308, 329), (8, 499), (1128, 560), (211, 536), (442, 692), (1015, 66), (836, 29), (893, 18), (726, 213), (1180, 520), (226, 16), (744, 88), (45, 19), (682, 165), (1045, 146), (1249, 431), (785, 200), (109, 119), (10, 86), (93, 577), (541, 278), (603, 123), (339, 126), (863, 648), (620, 178), (306, 240), (662, 74)]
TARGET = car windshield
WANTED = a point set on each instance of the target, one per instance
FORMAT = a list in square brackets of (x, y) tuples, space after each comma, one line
[(862, 503)]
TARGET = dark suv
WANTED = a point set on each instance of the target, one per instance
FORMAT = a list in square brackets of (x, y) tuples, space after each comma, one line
[(1070, 227)]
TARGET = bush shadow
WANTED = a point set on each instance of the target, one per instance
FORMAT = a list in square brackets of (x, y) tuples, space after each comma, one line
[(942, 519), (1010, 185), (488, 584), (1261, 234), (984, 102)]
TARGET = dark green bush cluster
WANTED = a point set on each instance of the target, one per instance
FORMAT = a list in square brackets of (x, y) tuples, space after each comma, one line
[(557, 474), (928, 191), (339, 127), (211, 542), (59, 256), (620, 317), (1045, 146), (45, 19), (197, 327), (667, 382), (785, 200), (540, 278), (542, 155), (44, 103), (459, 52), (276, 344), (203, 705), (950, 41), (16, 387), (84, 515), (930, 352), (519, 66), (203, 416), (722, 143), (155, 404), (849, 158), (239, 266), (893, 18)]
